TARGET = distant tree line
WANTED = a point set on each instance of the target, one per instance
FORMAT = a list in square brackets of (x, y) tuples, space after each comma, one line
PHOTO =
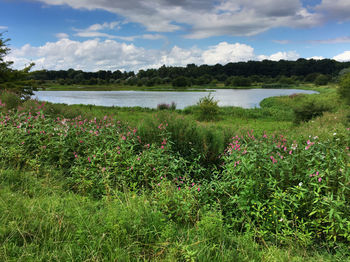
[(232, 74)]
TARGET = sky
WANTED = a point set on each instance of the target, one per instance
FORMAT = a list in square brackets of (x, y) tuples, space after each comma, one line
[(130, 35)]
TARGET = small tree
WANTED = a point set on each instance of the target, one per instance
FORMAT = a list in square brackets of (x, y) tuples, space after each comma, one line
[(15, 81), (208, 108)]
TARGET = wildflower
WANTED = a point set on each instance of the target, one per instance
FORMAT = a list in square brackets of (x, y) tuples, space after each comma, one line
[(334, 134), (124, 138), (319, 179), (89, 159), (273, 159), (300, 184)]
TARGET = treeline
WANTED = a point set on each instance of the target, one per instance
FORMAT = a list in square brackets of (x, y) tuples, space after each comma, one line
[(236, 74)]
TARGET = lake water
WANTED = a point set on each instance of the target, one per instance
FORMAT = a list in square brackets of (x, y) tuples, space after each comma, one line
[(246, 98)]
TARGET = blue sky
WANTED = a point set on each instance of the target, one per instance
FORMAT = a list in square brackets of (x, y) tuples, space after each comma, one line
[(138, 34)]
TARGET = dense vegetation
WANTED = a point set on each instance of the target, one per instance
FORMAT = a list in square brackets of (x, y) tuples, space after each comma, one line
[(94, 183), (85, 183), (241, 74)]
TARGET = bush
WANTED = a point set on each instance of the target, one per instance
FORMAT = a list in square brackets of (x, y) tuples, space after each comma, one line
[(285, 190), (322, 80), (9, 100), (344, 88), (164, 106), (208, 108), (311, 108)]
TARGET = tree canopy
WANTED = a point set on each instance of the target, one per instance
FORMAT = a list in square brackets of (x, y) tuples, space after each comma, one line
[(16, 81)]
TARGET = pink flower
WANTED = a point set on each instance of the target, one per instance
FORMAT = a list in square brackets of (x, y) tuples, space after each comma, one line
[(123, 137), (162, 147), (319, 179), (89, 159)]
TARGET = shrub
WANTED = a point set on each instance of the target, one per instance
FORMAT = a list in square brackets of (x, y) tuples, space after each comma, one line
[(165, 106), (309, 109), (9, 100), (208, 108), (282, 190), (344, 88)]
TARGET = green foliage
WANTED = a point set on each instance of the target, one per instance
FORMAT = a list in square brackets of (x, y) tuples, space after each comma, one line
[(15, 81), (322, 80), (181, 81), (208, 109), (311, 108), (171, 189), (164, 106), (344, 88), (284, 190), (9, 100)]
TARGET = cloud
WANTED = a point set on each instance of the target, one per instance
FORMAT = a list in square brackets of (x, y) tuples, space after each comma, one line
[(94, 30), (61, 35), (338, 10), (282, 42), (3, 27), (97, 54), (290, 55), (205, 18), (343, 57), (339, 40), (224, 53)]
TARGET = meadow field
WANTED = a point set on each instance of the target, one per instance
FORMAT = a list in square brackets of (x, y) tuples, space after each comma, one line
[(88, 183)]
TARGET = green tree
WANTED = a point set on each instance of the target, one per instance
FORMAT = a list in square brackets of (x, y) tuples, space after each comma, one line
[(180, 81), (15, 81)]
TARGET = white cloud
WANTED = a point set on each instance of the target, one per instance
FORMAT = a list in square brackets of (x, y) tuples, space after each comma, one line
[(205, 18), (224, 53), (290, 55), (343, 57), (93, 31), (96, 54), (3, 27), (61, 35)]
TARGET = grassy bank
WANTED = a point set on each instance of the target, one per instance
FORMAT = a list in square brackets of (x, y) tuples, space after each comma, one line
[(163, 87), (84, 183)]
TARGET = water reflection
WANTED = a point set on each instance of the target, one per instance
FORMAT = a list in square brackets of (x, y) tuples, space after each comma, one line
[(246, 98)]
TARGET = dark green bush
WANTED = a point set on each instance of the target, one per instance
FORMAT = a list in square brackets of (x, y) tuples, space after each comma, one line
[(310, 109)]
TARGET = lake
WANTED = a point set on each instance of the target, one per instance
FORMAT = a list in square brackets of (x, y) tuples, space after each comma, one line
[(246, 98)]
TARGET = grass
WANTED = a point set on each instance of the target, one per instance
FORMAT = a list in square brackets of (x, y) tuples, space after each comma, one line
[(92, 183), (43, 221)]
